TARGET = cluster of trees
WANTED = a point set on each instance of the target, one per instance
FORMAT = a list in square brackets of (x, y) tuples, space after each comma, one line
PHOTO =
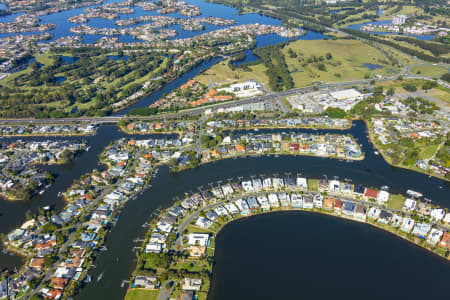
[(420, 105), (407, 50), (277, 69), (435, 48)]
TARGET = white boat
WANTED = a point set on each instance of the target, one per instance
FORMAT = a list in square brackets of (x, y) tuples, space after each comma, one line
[(376, 153), (100, 277)]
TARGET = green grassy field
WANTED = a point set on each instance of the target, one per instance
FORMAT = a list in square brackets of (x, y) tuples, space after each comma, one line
[(347, 62), (429, 70), (141, 294), (222, 73), (389, 13), (396, 201)]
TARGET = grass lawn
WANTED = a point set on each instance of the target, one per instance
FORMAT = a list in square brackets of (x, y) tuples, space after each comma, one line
[(222, 74), (193, 228), (313, 184), (45, 58), (440, 93), (428, 151), (347, 62), (396, 201), (429, 70), (389, 13), (141, 294)]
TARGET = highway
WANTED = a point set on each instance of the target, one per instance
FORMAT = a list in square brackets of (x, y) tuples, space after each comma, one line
[(189, 112), (200, 110)]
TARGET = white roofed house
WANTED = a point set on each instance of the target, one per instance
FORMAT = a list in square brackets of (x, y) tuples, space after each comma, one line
[(217, 192), (296, 200), (409, 205), (435, 236), (374, 213), (203, 222), (242, 206), (267, 183), (421, 230), (285, 200), (318, 201), (247, 186), (407, 225), (257, 185), (198, 239), (158, 238), (447, 218), (221, 211), (437, 214), (232, 208), (302, 183), (153, 248), (227, 190), (308, 201), (263, 202), (396, 220), (334, 186), (192, 284), (383, 197), (273, 200), (278, 183)]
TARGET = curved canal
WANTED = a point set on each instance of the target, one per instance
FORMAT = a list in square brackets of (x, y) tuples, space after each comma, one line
[(301, 255)]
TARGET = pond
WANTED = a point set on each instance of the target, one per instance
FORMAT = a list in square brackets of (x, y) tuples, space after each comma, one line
[(69, 59), (60, 79), (372, 67), (115, 57)]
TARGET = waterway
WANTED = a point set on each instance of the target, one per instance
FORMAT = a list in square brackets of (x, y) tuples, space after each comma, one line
[(13, 212), (118, 262), (207, 9), (302, 255)]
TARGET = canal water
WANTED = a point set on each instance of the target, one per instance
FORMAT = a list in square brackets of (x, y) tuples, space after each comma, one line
[(13, 212), (302, 255), (117, 263), (207, 9)]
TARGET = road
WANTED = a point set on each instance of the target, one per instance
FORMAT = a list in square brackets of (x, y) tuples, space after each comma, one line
[(200, 110), (193, 111)]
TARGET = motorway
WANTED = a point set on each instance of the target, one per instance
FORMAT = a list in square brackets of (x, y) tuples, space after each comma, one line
[(200, 110), (189, 112)]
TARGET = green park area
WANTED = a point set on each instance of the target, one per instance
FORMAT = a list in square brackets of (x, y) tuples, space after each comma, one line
[(334, 61), (223, 74), (306, 62), (428, 70)]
